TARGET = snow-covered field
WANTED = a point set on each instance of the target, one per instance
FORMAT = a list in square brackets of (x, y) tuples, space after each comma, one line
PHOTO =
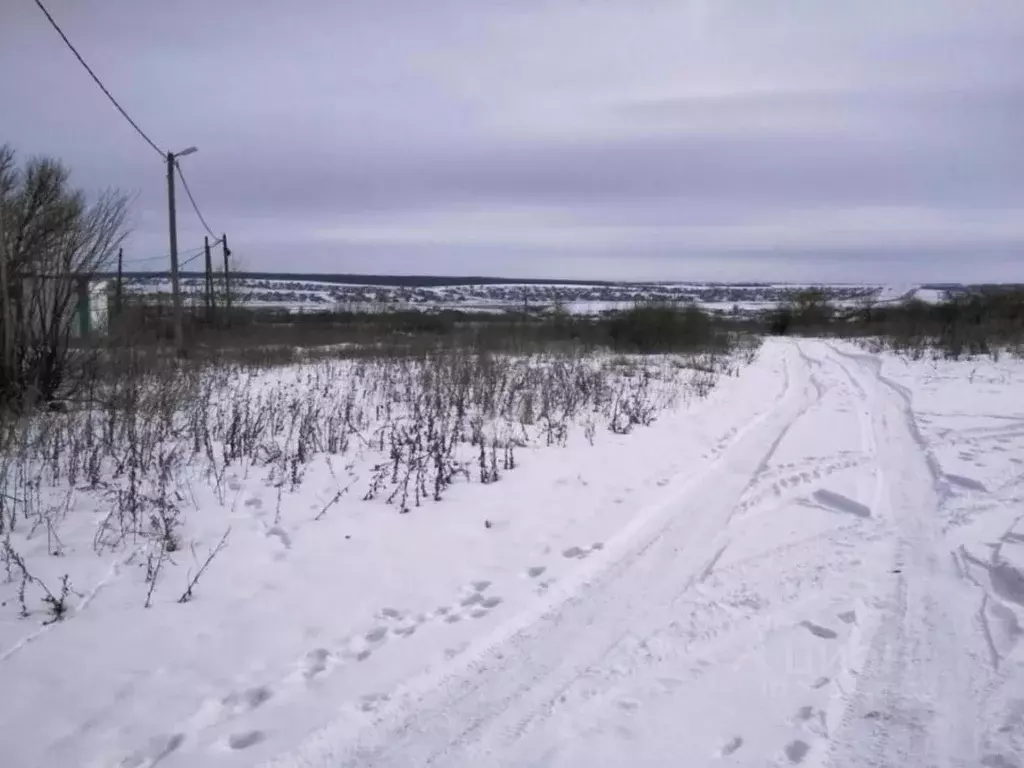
[(821, 562)]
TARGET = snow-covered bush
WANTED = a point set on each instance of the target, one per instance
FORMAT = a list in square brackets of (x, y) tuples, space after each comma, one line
[(396, 430)]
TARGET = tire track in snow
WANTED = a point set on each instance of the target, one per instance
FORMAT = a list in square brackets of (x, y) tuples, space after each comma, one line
[(728, 638), (646, 593), (916, 700)]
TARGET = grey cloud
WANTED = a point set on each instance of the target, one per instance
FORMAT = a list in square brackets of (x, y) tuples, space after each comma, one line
[(988, 264), (705, 170)]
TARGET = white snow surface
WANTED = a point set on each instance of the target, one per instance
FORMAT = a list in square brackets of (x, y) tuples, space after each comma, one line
[(895, 293), (930, 295), (820, 564)]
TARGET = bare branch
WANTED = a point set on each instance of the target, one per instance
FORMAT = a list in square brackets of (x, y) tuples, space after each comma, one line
[(187, 594)]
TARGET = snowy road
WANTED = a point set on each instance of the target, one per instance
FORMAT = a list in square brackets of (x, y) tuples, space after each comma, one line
[(800, 600)]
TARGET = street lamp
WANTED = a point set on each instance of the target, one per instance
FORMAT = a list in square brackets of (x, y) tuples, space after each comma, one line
[(179, 335)]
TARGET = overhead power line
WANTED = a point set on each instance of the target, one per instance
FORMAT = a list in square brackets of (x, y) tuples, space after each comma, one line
[(149, 259), (145, 260), (198, 253), (97, 80), (192, 200), (192, 253), (191, 258)]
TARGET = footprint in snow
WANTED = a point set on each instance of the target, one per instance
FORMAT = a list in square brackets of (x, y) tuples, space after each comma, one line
[(999, 761), (819, 631), (730, 746), (837, 502), (253, 698), (535, 571), (372, 701), (257, 697), (969, 483), (813, 719), (276, 531), (239, 741), (160, 747), (485, 606), (796, 751), (407, 629), (376, 635), (579, 553), (315, 663)]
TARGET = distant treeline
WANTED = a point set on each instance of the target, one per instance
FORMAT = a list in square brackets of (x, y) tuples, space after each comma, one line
[(981, 320), (400, 281), (645, 328), (430, 281)]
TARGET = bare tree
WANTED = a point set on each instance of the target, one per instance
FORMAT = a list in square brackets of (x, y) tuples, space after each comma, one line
[(53, 241), (8, 183)]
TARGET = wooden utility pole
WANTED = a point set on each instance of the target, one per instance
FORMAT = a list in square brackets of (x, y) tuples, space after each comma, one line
[(227, 279), (8, 322), (119, 286), (179, 331), (210, 303)]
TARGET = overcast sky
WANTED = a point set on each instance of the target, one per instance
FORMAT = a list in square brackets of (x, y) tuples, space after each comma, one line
[(876, 140)]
